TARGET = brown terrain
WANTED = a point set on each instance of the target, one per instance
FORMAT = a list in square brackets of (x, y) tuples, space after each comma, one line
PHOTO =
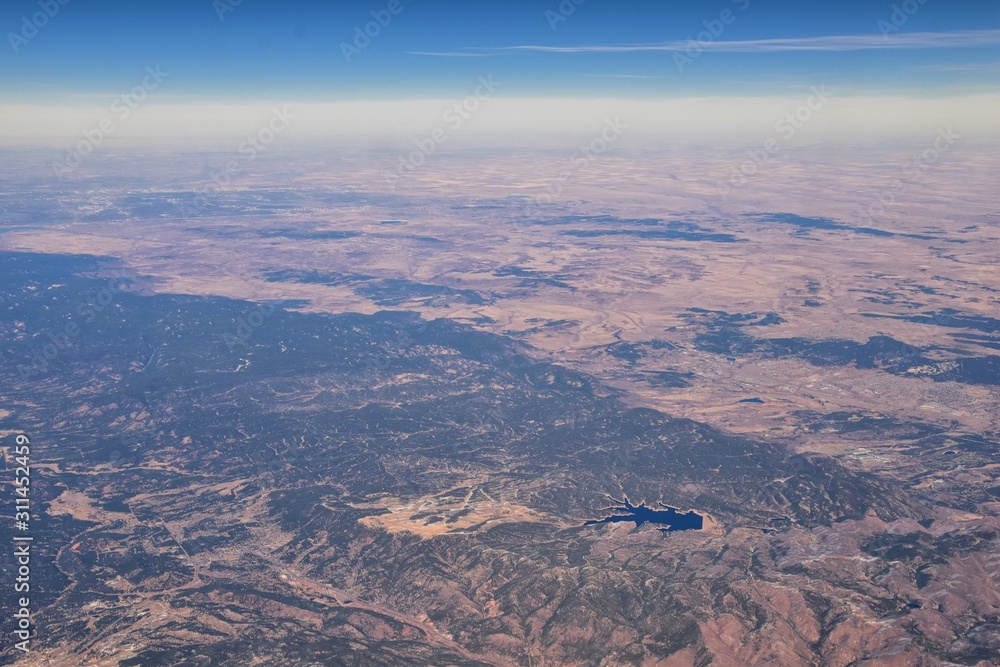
[(775, 316)]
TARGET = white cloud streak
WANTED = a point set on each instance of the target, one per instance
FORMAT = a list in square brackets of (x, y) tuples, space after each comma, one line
[(969, 67), (626, 76), (914, 40)]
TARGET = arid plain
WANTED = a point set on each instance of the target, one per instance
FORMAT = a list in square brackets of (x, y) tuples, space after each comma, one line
[(859, 341)]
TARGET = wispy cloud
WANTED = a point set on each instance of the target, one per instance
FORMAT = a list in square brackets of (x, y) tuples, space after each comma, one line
[(913, 40), (970, 67), (450, 54), (626, 76)]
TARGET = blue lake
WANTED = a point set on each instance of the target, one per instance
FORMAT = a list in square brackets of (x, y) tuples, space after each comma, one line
[(640, 514)]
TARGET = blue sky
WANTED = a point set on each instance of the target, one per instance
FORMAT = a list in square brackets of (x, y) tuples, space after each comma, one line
[(293, 50)]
